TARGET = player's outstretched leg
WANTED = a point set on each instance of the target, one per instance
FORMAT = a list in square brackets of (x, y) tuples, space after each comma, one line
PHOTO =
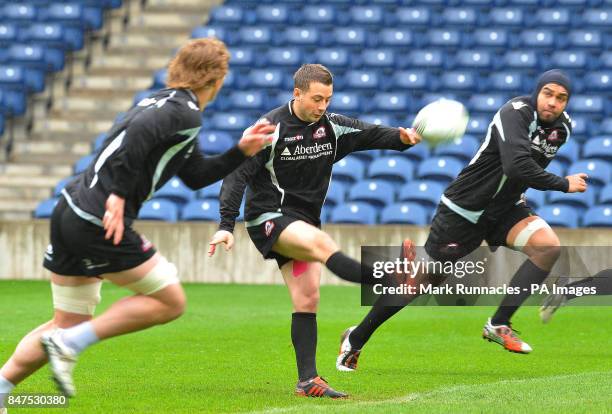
[(354, 338)]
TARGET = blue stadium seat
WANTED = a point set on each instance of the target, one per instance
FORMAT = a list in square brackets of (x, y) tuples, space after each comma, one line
[(464, 148), (478, 125), (176, 191), (443, 38), (427, 58), (346, 102), (349, 170), (416, 153), (353, 213), (71, 14), (554, 17), (600, 147), (211, 191), (36, 57), (285, 56), (243, 56), (336, 194), (378, 119), (535, 198), (20, 13), (605, 195), (424, 192), (332, 58), (396, 37), (559, 216), (581, 126), (521, 59), (45, 208), (227, 15), (570, 59), (592, 39), (599, 171), (591, 104), (489, 103), (460, 17), (302, 36), (162, 210), (1, 122), (280, 98), (250, 100), (350, 36), (414, 16), (539, 38), (569, 153), (598, 81), (404, 213), (256, 35), (491, 38), (363, 79), (366, 16), (475, 59), (510, 16), (266, 78), (206, 210), (159, 79), (12, 102), (556, 167), (8, 33), (214, 142), (597, 18), (428, 98), (605, 60), (82, 163), (368, 156), (506, 81), (442, 169), (598, 216), (460, 81), (378, 58), (219, 32), (412, 80), (319, 14), (580, 201), (391, 102), (230, 121), (277, 14), (394, 169), (606, 126)]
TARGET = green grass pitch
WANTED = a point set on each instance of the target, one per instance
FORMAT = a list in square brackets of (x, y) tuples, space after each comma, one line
[(231, 352)]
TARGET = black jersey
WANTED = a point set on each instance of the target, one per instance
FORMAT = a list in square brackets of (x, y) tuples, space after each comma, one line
[(292, 175), (512, 158), (155, 140)]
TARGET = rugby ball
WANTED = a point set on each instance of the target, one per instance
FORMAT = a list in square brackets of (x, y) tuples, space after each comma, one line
[(441, 121)]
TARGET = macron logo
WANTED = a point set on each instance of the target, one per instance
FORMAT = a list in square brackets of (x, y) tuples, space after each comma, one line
[(518, 105)]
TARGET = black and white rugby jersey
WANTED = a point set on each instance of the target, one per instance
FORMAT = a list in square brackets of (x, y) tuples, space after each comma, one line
[(292, 175), (155, 140), (517, 148)]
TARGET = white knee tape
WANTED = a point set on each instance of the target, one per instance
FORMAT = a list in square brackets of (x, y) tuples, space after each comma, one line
[(80, 299), (162, 275), (523, 237)]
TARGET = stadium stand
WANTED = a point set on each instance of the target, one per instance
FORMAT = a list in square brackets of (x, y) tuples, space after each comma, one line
[(390, 58)]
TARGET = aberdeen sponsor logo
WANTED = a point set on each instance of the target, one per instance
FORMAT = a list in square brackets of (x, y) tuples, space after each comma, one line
[(307, 151)]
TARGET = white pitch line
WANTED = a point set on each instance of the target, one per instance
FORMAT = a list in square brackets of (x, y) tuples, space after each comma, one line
[(415, 395)]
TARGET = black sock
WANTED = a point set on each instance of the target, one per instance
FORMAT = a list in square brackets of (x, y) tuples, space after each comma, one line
[(304, 338), (376, 317), (602, 281), (344, 267), (527, 274)]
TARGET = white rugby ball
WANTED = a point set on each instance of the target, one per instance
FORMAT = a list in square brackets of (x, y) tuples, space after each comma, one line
[(441, 121)]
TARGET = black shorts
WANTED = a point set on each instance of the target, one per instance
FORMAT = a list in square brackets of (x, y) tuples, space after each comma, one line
[(264, 236), (78, 247), (452, 237)]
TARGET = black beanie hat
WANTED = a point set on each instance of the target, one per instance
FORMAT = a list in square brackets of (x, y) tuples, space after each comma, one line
[(552, 76)]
